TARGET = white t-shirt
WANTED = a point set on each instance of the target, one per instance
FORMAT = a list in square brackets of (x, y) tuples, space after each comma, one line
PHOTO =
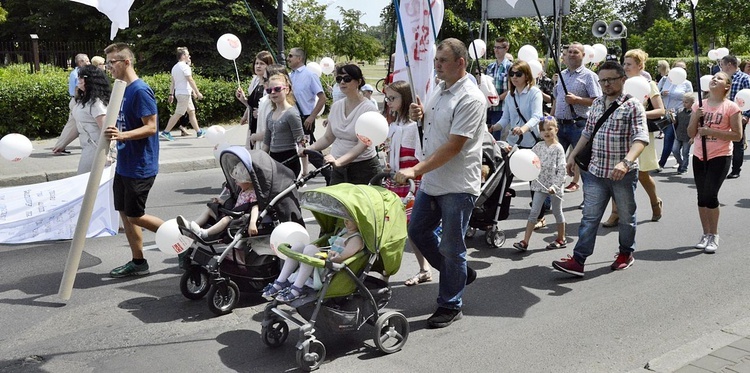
[(180, 72)]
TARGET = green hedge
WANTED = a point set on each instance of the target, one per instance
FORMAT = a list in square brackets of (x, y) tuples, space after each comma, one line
[(36, 105)]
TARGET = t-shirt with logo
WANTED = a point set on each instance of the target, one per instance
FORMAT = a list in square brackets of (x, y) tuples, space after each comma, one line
[(716, 117)]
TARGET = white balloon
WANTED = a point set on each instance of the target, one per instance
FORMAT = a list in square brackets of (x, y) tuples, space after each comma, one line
[(327, 65), (721, 52), (15, 147), (705, 82), (481, 49), (371, 128), (536, 68), (528, 53), (315, 67), (677, 75), (600, 52), (290, 233), (713, 55), (742, 99), (229, 46), (220, 148), (525, 164), (169, 240), (589, 54), (215, 134), (637, 87)]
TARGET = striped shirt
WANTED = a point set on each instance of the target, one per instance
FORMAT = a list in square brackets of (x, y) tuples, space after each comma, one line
[(499, 74)]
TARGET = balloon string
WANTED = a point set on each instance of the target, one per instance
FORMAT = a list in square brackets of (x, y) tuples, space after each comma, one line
[(238, 74), (545, 187)]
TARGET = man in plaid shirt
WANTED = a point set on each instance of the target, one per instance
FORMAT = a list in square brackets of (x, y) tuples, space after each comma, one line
[(613, 170), (740, 81), (498, 70)]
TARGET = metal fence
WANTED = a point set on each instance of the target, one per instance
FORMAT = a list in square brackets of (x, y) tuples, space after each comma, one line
[(59, 54)]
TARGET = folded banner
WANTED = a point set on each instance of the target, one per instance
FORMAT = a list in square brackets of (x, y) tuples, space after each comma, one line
[(49, 211)]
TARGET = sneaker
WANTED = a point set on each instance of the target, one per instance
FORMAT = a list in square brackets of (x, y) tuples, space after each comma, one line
[(444, 317), (130, 269), (200, 134), (572, 187), (569, 266), (703, 242), (166, 136), (733, 175), (622, 261), (712, 245)]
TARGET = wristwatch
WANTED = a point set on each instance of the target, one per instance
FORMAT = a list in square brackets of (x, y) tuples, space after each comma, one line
[(628, 164)]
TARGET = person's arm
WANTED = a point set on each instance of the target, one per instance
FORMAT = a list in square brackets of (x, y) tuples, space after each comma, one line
[(536, 106), (100, 121), (149, 128), (571, 165), (504, 118), (252, 228), (325, 141), (347, 158), (267, 133), (171, 90), (317, 109), (353, 245), (295, 125), (734, 134), (196, 92), (695, 116)]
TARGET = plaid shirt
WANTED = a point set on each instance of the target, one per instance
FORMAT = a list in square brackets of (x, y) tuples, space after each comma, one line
[(740, 81), (611, 143), (499, 74), (581, 82)]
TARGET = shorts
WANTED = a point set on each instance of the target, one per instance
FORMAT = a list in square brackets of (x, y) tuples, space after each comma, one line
[(184, 104), (131, 194)]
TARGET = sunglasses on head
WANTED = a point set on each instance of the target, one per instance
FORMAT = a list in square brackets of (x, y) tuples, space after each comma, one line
[(517, 74), (276, 89), (345, 78)]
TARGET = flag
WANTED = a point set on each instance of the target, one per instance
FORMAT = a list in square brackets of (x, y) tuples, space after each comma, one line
[(115, 10)]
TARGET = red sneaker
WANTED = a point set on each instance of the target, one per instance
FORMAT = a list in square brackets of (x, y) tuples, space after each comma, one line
[(569, 266), (572, 187), (622, 261)]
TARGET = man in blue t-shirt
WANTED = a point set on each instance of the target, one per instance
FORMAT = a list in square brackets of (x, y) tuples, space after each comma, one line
[(137, 139)]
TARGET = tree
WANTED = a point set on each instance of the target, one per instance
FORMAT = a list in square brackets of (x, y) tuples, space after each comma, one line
[(3, 15), (666, 38), (351, 39), (51, 20), (307, 27), (583, 14)]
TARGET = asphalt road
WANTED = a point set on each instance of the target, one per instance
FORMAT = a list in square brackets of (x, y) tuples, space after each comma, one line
[(520, 315)]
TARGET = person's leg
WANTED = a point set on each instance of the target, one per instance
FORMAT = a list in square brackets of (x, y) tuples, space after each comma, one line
[(69, 132), (677, 153), (668, 145), (219, 227), (649, 185), (191, 116), (575, 135), (557, 211), (596, 195), (537, 202), (455, 211), (716, 173), (425, 217), (623, 192), (685, 155), (179, 111)]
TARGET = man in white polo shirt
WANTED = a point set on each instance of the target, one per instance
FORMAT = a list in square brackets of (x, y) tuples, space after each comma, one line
[(183, 88)]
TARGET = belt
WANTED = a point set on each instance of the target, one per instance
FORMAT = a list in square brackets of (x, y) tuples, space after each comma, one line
[(570, 121)]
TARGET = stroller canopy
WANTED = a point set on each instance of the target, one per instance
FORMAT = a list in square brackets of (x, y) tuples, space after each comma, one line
[(378, 212)]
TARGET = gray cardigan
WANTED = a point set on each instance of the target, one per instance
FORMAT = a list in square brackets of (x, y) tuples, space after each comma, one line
[(285, 133)]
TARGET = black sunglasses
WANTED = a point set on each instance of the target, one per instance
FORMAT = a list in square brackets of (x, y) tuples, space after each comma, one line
[(276, 89), (517, 74), (345, 78)]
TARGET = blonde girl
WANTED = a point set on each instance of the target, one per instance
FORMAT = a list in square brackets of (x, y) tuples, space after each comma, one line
[(283, 125)]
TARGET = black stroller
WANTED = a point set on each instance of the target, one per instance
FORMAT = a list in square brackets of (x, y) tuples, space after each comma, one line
[(493, 204), (222, 266)]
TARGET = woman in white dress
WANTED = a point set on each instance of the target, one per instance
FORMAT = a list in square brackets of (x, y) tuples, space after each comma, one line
[(89, 111)]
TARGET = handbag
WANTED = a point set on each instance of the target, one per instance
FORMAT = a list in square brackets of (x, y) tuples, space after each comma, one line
[(656, 125), (583, 158)]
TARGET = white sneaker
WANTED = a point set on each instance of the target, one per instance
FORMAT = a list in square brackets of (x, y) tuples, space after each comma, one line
[(712, 245), (704, 241), (197, 229)]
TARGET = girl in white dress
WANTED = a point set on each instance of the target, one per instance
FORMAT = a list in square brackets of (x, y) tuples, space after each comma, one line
[(89, 111)]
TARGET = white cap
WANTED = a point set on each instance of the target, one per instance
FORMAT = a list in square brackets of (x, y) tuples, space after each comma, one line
[(367, 87)]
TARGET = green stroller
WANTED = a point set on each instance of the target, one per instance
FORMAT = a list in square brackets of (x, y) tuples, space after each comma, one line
[(349, 297)]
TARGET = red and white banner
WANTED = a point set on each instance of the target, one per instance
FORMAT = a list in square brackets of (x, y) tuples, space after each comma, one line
[(420, 44)]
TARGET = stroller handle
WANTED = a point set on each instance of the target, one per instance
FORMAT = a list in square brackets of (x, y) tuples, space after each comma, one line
[(379, 178)]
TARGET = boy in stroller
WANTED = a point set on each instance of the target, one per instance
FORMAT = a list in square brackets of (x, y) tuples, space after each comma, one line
[(246, 200), (342, 246)]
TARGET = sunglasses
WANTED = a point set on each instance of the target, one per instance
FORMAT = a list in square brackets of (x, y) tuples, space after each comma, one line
[(391, 98), (345, 78), (517, 74), (276, 89)]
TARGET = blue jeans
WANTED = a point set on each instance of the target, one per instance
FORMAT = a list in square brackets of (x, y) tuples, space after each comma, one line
[(596, 194), (449, 254), (492, 118), (668, 145), (569, 134), (681, 152)]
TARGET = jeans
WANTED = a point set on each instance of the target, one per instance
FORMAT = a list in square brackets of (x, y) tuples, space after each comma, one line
[(738, 153), (569, 134), (596, 194), (492, 118), (681, 152), (668, 145), (449, 254)]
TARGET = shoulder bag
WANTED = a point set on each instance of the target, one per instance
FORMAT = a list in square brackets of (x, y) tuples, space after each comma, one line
[(583, 158), (520, 138)]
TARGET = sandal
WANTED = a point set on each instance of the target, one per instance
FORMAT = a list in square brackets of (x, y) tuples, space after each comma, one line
[(521, 245), (541, 223), (288, 294), (656, 210), (557, 244), (420, 277), (613, 221), (271, 290)]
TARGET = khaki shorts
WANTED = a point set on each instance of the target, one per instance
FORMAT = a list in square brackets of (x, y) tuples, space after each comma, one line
[(184, 104)]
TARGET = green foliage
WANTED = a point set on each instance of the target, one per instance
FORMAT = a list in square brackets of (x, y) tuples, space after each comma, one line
[(36, 105), (307, 28), (350, 39), (3, 15)]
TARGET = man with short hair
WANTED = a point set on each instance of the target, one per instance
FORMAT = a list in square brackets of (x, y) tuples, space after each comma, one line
[(453, 122), (613, 170), (740, 80), (182, 87), (306, 86), (137, 139), (572, 109), (498, 70), (70, 131)]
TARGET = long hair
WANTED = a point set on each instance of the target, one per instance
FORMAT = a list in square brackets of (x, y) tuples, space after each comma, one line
[(402, 88), (95, 84)]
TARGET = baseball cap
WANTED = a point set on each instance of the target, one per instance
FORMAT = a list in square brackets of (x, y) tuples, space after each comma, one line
[(367, 87)]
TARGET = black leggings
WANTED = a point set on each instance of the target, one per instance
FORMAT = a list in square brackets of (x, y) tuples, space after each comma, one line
[(708, 179), (292, 158)]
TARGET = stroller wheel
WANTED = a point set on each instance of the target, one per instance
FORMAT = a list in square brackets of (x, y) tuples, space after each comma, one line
[(495, 237), (471, 232), (194, 283), (310, 355), (275, 334), (223, 297), (391, 332)]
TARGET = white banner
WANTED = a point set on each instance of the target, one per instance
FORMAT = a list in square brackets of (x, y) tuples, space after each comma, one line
[(49, 211), (420, 44)]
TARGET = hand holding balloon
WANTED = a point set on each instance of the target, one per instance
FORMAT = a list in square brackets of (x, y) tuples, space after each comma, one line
[(15, 147)]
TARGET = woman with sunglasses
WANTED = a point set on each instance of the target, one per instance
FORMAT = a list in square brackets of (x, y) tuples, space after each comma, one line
[(522, 108), (353, 161), (284, 124), (91, 99), (256, 91)]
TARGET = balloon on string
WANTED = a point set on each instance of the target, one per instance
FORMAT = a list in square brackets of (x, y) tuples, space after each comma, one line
[(588, 54), (637, 87), (15, 147), (220, 148), (677, 75), (290, 233), (315, 68), (525, 164), (536, 68), (706, 82), (721, 52), (479, 46), (713, 55), (327, 65), (528, 53), (229, 46), (600, 52), (371, 128), (742, 99), (215, 134), (169, 240)]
